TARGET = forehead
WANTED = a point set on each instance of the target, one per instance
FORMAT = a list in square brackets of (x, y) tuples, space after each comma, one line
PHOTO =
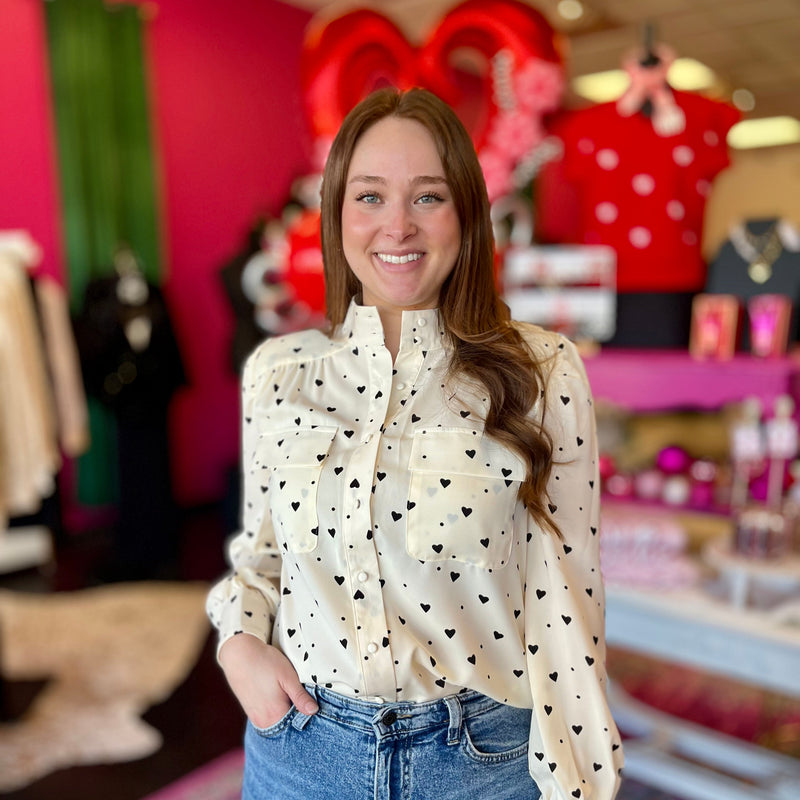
[(395, 143)]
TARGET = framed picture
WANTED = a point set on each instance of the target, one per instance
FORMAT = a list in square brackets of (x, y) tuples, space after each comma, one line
[(715, 326)]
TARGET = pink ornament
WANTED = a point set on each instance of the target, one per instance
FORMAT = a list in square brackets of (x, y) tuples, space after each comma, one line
[(649, 484), (676, 490), (620, 485), (673, 460), (608, 467)]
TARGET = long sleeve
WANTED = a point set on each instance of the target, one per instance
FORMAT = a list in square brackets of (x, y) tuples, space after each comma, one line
[(247, 599), (575, 747)]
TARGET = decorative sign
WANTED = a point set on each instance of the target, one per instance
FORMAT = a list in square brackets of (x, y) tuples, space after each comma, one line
[(571, 289)]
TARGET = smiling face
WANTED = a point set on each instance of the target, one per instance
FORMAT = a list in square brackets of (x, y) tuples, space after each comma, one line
[(400, 229)]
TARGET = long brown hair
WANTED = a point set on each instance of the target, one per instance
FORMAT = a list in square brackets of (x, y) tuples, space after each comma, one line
[(486, 347)]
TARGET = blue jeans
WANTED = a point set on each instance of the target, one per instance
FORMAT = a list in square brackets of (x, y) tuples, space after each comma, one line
[(464, 747)]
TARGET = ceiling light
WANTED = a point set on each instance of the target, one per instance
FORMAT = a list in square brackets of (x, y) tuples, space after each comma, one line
[(570, 9), (689, 75), (743, 99), (764, 132), (685, 74), (601, 87)]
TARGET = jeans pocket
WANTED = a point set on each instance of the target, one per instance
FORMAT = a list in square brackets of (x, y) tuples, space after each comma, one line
[(499, 734), (275, 729)]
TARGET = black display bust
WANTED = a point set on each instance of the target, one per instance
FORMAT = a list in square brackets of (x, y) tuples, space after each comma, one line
[(761, 256)]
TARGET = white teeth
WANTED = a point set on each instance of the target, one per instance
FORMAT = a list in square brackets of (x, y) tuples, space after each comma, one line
[(389, 259)]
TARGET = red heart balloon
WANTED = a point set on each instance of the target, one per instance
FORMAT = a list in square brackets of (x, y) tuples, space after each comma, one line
[(494, 30), (496, 62), (465, 60), (346, 59)]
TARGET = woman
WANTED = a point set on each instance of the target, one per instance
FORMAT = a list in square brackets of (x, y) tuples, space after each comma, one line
[(417, 585)]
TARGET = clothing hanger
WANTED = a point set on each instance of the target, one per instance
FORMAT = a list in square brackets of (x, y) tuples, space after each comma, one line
[(648, 60), (132, 289)]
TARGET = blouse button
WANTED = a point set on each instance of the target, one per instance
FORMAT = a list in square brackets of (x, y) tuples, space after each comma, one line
[(362, 576), (372, 647), (401, 386), (417, 340), (422, 322)]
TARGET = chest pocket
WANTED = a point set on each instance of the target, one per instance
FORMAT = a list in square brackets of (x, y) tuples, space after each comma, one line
[(294, 459), (462, 496)]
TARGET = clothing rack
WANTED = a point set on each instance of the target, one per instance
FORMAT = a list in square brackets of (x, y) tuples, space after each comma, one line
[(29, 455)]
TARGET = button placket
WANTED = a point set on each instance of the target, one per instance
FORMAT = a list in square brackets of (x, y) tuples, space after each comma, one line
[(369, 614)]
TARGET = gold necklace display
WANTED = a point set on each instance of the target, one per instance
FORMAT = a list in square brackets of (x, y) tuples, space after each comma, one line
[(759, 251)]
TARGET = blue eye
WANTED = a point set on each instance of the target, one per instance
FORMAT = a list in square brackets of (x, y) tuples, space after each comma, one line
[(368, 197), (430, 197)]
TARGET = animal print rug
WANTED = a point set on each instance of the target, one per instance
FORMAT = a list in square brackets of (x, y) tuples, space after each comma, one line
[(108, 654)]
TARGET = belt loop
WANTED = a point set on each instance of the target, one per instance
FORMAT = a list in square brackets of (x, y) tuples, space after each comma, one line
[(300, 720), (454, 729)]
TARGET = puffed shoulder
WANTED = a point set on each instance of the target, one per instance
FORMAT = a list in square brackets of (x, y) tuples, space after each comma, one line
[(568, 406), (556, 354), (290, 348)]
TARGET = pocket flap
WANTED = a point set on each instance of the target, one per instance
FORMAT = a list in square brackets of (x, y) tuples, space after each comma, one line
[(297, 447), (464, 451)]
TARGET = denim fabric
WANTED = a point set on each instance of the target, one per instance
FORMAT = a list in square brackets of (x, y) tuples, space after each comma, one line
[(464, 747)]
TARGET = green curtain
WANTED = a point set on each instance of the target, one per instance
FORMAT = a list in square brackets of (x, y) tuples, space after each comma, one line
[(106, 168), (104, 144)]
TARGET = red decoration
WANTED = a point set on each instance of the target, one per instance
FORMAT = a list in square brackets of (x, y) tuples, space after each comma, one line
[(513, 77), (347, 58), (622, 184)]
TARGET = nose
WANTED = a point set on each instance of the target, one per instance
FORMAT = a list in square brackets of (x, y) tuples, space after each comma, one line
[(399, 224)]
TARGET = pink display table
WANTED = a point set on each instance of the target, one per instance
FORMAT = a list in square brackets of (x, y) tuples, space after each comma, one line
[(658, 380)]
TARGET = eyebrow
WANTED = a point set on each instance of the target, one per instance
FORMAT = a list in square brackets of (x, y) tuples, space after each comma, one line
[(419, 180)]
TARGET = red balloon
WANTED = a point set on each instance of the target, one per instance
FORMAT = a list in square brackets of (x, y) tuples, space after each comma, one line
[(484, 28), (347, 58)]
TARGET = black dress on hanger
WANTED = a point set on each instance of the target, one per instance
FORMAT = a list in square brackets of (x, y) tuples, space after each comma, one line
[(131, 363)]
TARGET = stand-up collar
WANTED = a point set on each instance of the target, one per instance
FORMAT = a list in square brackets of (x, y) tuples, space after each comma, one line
[(421, 329)]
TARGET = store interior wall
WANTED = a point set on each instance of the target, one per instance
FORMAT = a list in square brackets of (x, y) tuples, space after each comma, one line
[(29, 192), (230, 136), (759, 184)]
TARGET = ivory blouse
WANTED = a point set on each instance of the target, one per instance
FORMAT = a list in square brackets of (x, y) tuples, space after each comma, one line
[(384, 550)]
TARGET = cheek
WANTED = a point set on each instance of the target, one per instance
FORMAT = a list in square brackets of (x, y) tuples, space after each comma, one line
[(355, 225), (455, 236)]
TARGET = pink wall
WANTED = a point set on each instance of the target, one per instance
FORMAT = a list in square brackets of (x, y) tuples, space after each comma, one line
[(230, 135), (28, 187)]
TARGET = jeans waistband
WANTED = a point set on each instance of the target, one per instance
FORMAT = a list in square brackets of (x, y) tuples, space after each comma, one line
[(389, 718)]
